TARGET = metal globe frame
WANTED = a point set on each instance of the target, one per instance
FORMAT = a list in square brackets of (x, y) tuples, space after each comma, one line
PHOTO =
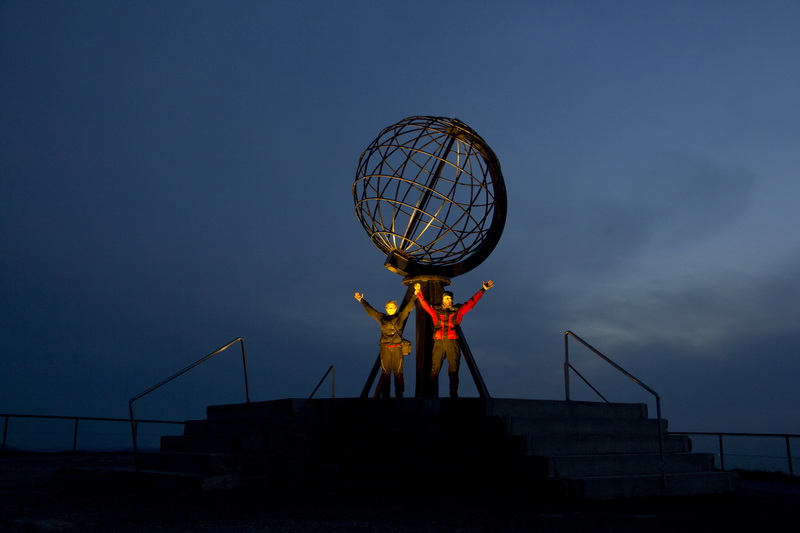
[(430, 194)]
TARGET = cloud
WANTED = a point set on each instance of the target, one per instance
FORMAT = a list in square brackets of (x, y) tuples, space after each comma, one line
[(688, 198)]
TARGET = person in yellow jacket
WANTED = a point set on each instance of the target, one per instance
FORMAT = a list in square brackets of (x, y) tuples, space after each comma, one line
[(391, 353)]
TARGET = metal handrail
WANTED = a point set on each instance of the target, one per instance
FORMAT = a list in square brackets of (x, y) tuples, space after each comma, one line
[(568, 367), (181, 372), (7, 416), (333, 382), (785, 436)]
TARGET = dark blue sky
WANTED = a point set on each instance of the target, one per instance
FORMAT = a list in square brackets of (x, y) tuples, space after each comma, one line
[(178, 174)]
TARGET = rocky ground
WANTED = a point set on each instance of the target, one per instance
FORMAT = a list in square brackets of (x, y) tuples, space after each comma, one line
[(76, 492)]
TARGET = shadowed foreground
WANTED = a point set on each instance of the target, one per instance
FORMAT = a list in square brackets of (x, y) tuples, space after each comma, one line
[(76, 492)]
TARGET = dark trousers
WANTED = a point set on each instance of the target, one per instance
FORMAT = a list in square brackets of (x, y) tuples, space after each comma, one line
[(391, 363), (450, 349)]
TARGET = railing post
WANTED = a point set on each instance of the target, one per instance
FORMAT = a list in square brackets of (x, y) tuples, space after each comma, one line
[(566, 363), (661, 445), (134, 426), (5, 432), (246, 379), (75, 437), (721, 454), (789, 455)]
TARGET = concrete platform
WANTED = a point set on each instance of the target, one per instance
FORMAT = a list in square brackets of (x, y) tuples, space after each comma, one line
[(588, 450)]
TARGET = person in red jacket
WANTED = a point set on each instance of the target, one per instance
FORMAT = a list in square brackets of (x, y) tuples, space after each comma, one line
[(445, 339)]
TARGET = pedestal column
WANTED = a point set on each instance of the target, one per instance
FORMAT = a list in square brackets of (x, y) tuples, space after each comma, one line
[(432, 288)]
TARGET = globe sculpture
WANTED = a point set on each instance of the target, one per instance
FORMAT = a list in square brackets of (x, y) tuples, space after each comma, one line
[(430, 195)]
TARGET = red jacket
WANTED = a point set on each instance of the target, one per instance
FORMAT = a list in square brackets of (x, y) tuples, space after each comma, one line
[(445, 320)]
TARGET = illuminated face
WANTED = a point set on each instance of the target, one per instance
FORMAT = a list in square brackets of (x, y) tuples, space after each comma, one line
[(447, 301), (391, 308)]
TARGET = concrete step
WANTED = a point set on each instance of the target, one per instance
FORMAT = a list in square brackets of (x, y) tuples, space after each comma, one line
[(564, 409), (193, 463), (178, 481), (628, 464), (255, 427), (566, 426), (641, 486), (283, 412), (274, 411), (209, 443), (587, 444), (276, 440)]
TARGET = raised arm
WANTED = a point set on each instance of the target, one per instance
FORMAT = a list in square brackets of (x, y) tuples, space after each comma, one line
[(425, 305), (467, 307), (408, 307), (368, 308)]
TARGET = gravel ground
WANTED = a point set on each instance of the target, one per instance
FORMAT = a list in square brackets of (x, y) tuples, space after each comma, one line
[(75, 492)]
